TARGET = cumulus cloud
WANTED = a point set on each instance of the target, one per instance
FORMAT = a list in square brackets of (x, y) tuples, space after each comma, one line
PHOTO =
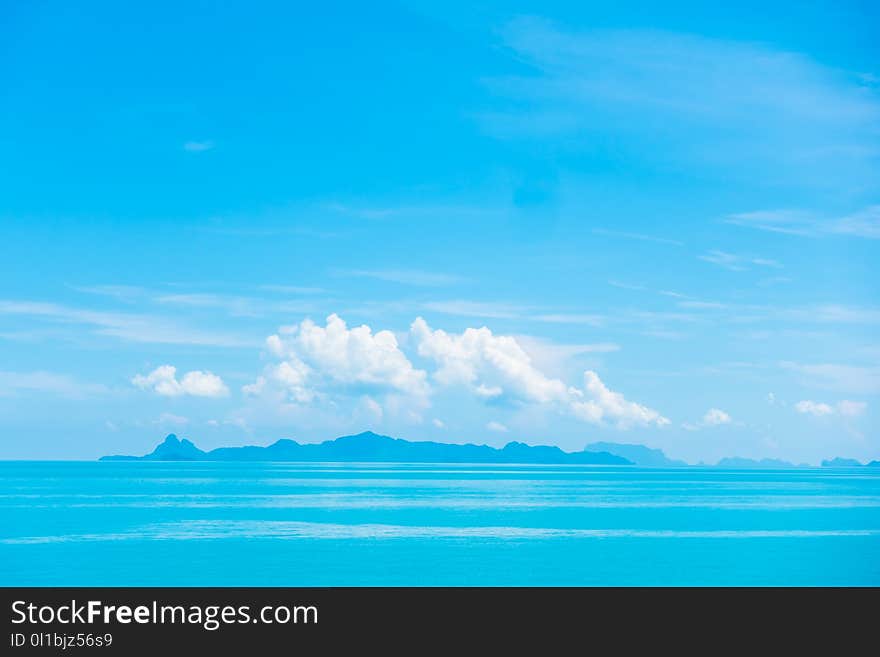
[(813, 408), (163, 381), (497, 426), (319, 361), (846, 408), (496, 366), (714, 417)]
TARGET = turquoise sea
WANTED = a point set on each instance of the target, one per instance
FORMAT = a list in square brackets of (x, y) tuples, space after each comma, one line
[(294, 524)]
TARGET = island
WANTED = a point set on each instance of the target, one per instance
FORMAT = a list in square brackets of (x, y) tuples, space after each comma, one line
[(372, 447)]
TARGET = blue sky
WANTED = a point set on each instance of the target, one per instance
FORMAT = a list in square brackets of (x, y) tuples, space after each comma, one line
[(551, 222)]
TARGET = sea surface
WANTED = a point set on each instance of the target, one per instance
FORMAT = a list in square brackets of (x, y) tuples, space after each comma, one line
[(296, 524)]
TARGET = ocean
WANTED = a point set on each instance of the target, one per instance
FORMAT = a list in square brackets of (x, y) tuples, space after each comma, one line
[(332, 524)]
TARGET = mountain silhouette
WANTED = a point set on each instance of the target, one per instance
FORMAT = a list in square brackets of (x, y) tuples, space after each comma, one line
[(739, 462), (839, 462), (638, 454), (369, 446), (372, 447)]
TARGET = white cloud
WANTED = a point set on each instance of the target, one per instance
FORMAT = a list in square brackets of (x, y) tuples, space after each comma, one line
[(490, 365), (497, 427), (715, 417), (813, 408), (497, 366), (163, 381), (603, 404), (488, 392), (438, 423), (846, 408), (333, 360)]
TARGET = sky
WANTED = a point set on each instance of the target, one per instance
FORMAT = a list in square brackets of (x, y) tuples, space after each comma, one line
[(550, 222)]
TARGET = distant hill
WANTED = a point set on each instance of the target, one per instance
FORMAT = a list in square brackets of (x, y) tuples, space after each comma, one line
[(369, 446), (739, 462), (839, 462), (638, 454)]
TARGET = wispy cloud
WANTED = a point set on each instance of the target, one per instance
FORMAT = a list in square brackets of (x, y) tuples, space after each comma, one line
[(859, 379), (125, 326), (487, 309), (292, 289), (125, 293), (236, 306), (406, 276), (829, 313), (736, 262), (411, 210), (571, 318), (556, 357), (719, 102), (62, 385), (641, 237), (863, 223), (628, 286), (702, 305), (198, 146), (171, 420)]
